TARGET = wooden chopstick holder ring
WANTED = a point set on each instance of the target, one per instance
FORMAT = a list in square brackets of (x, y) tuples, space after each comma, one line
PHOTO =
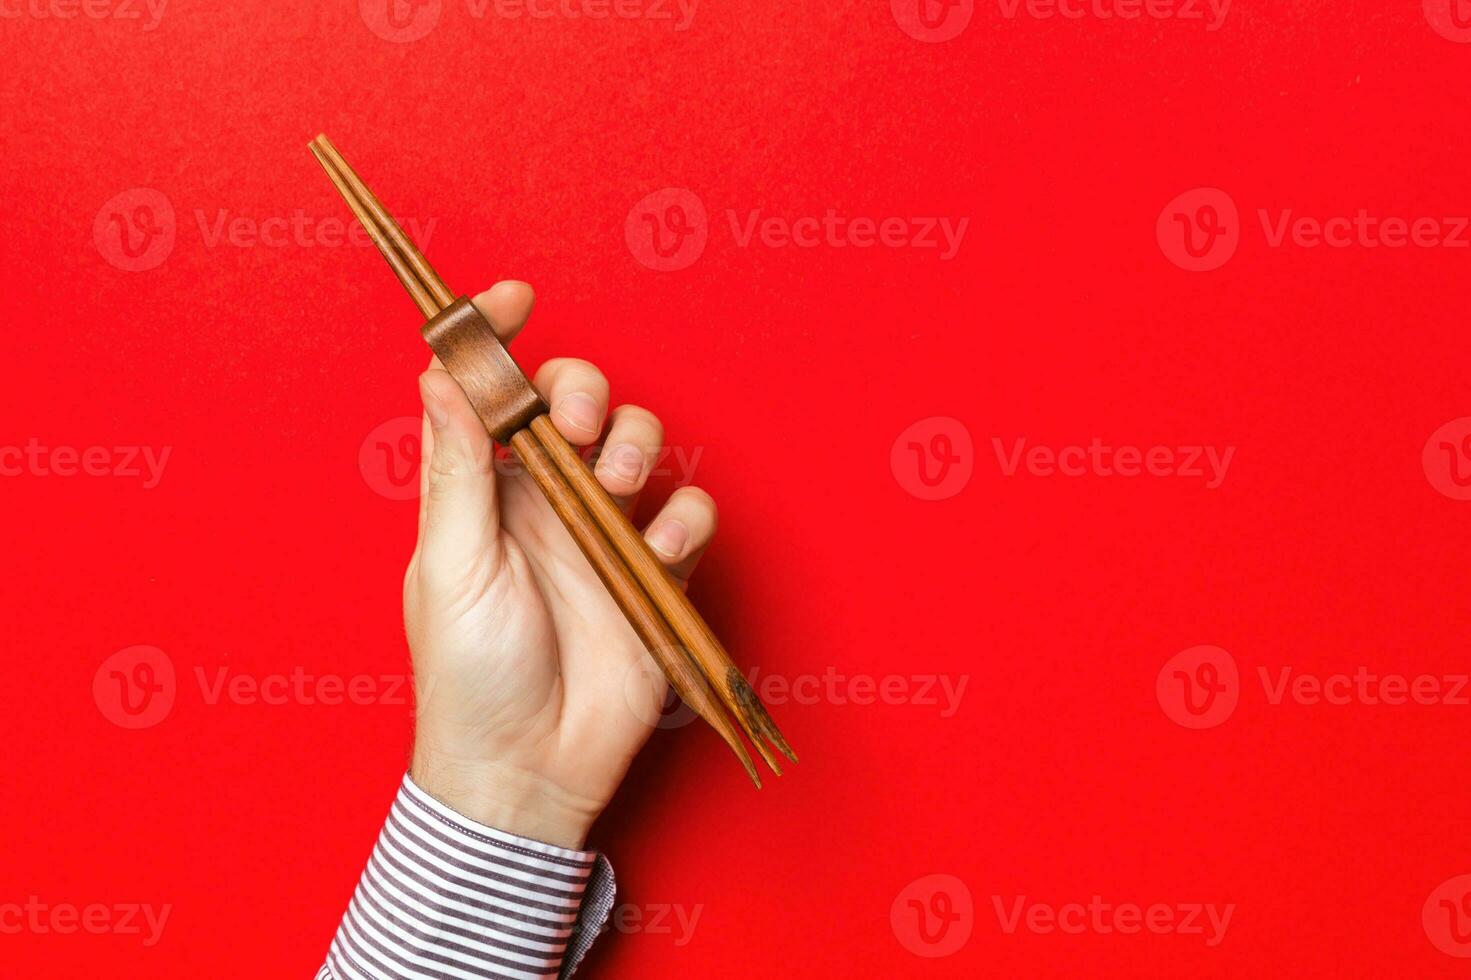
[(475, 357)]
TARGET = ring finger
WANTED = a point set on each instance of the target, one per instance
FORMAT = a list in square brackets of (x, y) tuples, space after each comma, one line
[(635, 438)]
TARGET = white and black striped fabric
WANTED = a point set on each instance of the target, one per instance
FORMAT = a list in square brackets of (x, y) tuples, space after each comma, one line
[(446, 898)]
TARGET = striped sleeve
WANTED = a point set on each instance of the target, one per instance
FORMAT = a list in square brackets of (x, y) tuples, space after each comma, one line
[(446, 898)]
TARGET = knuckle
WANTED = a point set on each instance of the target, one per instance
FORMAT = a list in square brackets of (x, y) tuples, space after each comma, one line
[(698, 504), (549, 371), (694, 496), (563, 375), (618, 485), (639, 421)]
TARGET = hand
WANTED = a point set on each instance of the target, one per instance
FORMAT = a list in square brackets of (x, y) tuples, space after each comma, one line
[(534, 692)]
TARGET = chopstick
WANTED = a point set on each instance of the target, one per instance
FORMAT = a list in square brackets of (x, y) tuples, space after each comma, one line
[(666, 622), (671, 601), (640, 613), (385, 231)]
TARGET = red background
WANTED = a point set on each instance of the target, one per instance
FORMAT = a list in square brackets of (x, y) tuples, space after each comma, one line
[(793, 371)]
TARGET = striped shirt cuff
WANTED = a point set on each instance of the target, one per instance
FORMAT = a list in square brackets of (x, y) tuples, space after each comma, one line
[(446, 898)]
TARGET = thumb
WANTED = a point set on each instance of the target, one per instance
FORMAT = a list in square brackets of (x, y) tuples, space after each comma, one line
[(461, 524)]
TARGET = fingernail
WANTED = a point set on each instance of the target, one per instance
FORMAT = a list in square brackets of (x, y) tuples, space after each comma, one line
[(624, 461), (668, 538), (433, 407), (579, 411)]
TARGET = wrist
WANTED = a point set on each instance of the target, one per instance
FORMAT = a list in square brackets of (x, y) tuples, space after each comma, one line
[(505, 796)]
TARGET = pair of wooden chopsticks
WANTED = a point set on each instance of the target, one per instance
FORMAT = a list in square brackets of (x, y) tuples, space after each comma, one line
[(697, 666)]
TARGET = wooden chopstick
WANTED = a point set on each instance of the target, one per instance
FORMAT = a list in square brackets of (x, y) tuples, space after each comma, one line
[(430, 279), (667, 624), (423, 298), (670, 600), (640, 612)]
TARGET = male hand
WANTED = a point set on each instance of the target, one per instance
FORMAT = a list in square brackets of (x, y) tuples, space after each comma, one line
[(534, 692)]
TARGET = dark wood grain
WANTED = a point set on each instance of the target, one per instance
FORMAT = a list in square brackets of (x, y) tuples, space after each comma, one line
[(470, 351)]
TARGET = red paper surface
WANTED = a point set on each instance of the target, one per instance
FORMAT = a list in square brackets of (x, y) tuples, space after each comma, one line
[(825, 391)]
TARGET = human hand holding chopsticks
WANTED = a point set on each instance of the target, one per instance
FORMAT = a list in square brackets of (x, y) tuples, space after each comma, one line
[(535, 693)]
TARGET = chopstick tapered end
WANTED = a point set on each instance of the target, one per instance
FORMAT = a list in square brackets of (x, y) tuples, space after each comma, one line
[(723, 729), (755, 718), (766, 755), (781, 743), (747, 763), (755, 776)]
